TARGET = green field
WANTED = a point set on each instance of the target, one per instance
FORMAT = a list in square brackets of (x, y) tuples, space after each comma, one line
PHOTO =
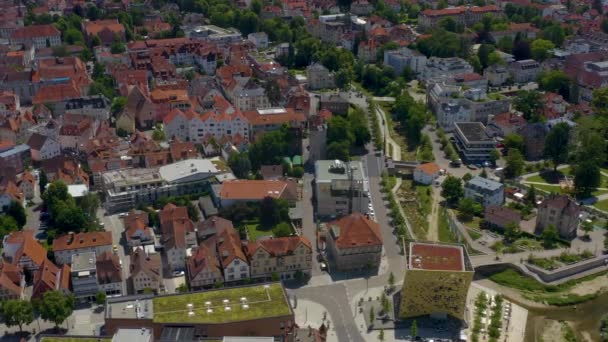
[(602, 205), (255, 231), (263, 302), (552, 185)]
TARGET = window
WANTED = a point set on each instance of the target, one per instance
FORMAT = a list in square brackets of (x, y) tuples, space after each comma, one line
[(236, 262)]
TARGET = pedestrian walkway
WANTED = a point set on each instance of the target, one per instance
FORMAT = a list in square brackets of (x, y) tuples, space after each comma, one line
[(395, 148)]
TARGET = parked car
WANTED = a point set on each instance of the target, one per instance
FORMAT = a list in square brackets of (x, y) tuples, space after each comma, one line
[(323, 266), (178, 273), (472, 167)]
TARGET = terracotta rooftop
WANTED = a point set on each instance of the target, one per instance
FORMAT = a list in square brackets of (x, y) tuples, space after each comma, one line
[(29, 32), (29, 246), (436, 257), (278, 246), (94, 27), (252, 189), (108, 268), (355, 230), (428, 168), (150, 264), (82, 240)]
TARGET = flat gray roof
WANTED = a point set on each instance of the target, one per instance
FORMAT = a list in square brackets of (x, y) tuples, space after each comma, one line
[(484, 183), (473, 131), (83, 261), (322, 173)]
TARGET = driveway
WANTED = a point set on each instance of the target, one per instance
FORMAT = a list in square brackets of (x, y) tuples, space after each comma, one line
[(114, 224)]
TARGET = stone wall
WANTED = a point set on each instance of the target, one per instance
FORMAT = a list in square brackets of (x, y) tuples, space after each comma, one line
[(567, 271)]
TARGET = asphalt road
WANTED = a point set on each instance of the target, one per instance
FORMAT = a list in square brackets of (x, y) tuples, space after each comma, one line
[(115, 225)]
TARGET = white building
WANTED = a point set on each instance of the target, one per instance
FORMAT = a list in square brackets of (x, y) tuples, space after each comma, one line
[(341, 187), (485, 191), (404, 57), (426, 173), (259, 39)]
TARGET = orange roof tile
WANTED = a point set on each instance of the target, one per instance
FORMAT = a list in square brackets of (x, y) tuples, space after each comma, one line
[(428, 168), (82, 240), (355, 230), (436, 257), (279, 246)]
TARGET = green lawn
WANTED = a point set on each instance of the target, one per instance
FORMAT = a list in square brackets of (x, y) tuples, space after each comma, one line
[(445, 234), (552, 185), (412, 208), (263, 302), (425, 197), (474, 234), (473, 223), (602, 205), (255, 230)]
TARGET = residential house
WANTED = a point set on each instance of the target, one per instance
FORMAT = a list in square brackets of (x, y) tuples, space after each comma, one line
[(426, 173), (65, 169), (524, 71), (464, 15), (354, 242), (40, 36), (272, 119), (368, 50), (404, 58), (319, 77), (204, 269), (94, 106), (137, 230), (21, 248), (15, 157), (65, 246), (524, 30), (485, 191), (27, 184), (229, 251), (287, 257), (334, 103), (12, 281), (146, 271), (340, 187), (361, 7), (125, 121), (211, 226), (499, 217), (107, 30), (109, 273), (49, 277), (259, 39), (178, 237), (496, 75), (534, 135), (561, 212), (83, 273), (141, 108), (10, 192), (243, 191), (43, 147), (76, 131), (504, 124)]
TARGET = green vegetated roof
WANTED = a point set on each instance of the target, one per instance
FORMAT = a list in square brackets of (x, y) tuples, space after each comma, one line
[(263, 301)]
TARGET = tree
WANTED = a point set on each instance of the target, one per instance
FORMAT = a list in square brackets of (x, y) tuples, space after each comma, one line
[(587, 227), (505, 44), (17, 312), (467, 177), (549, 236), (89, 204), (16, 211), (529, 103), (96, 41), (514, 141), (556, 81), (540, 49), (483, 174), (118, 104), (587, 176), (372, 316), (158, 135), (515, 163), (521, 50), (42, 181), (7, 225), (343, 78), (414, 329), (511, 232), (338, 150), (386, 304), (273, 91), (56, 307), (484, 54), (273, 211), (599, 101), (494, 156), (451, 189), (240, 164), (530, 198), (555, 34), (282, 229), (100, 298), (391, 280), (467, 208), (182, 288), (556, 144)]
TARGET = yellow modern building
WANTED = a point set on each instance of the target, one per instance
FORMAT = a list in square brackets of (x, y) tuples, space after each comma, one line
[(436, 282)]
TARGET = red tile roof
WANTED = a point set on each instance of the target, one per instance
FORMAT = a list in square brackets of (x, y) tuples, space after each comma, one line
[(34, 31), (355, 230), (30, 247), (252, 189), (436, 257), (50, 278), (94, 27), (428, 168), (150, 264), (279, 246), (82, 240), (108, 268), (56, 92)]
